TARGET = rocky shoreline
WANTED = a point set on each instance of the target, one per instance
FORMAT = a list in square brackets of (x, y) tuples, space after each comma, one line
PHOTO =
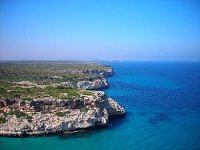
[(88, 112)]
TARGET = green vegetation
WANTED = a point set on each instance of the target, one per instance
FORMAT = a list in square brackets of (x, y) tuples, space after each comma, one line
[(3, 91), (87, 93), (84, 109), (45, 73), (20, 114), (49, 72), (57, 92), (2, 119), (29, 93), (5, 84), (61, 114), (17, 113)]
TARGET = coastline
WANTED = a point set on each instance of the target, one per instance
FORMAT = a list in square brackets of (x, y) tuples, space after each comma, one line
[(56, 115)]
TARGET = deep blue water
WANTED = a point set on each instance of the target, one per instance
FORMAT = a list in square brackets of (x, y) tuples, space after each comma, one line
[(163, 112)]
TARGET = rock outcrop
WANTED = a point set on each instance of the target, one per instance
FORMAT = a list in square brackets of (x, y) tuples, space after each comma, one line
[(50, 116), (93, 85), (104, 73)]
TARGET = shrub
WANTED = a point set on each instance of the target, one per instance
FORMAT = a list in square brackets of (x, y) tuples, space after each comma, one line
[(84, 109), (20, 114), (87, 92), (2, 120), (60, 114), (61, 87), (15, 94), (2, 90)]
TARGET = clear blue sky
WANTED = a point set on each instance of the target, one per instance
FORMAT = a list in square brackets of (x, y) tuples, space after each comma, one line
[(100, 30)]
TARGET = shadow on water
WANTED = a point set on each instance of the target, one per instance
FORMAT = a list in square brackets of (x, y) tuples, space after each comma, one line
[(87, 133), (144, 113), (117, 122), (158, 118), (77, 135)]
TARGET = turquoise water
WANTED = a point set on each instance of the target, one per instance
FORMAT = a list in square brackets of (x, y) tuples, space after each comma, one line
[(163, 112)]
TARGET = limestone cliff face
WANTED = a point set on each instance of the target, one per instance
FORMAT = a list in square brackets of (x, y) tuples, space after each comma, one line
[(50, 115), (93, 85), (96, 84)]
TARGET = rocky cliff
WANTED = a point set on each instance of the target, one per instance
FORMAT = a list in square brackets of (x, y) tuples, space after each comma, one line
[(92, 85), (49, 115), (104, 73), (95, 84)]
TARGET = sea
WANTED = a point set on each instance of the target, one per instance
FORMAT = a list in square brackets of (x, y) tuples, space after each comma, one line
[(162, 100)]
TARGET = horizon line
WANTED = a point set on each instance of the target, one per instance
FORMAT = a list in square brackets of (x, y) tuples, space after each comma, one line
[(73, 60)]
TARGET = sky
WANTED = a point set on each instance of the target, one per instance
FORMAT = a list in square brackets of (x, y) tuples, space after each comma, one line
[(124, 30)]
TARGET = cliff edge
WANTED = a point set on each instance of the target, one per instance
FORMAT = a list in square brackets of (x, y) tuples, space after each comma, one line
[(50, 116)]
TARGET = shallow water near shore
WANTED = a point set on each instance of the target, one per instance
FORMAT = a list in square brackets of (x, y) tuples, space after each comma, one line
[(163, 112)]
